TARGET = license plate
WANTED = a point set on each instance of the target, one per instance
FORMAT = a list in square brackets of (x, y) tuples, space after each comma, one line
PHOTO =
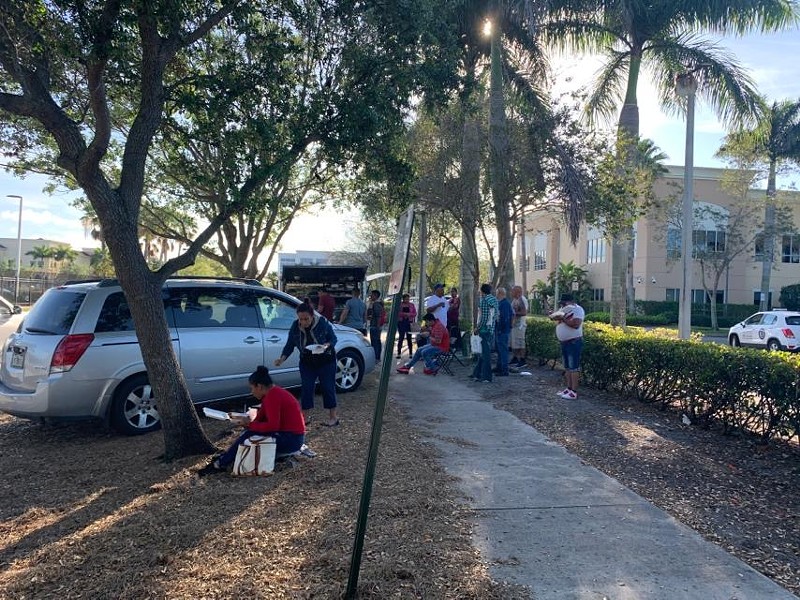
[(18, 360)]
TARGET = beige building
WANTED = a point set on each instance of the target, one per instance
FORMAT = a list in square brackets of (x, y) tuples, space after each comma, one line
[(656, 263)]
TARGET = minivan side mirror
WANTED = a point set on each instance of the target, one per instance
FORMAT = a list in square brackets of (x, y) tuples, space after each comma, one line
[(17, 310)]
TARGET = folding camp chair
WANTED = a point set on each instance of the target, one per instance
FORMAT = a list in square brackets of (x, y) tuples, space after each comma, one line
[(444, 359)]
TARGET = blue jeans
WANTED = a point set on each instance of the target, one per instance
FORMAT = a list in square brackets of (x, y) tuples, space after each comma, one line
[(327, 383), (285, 443), (483, 368), (427, 353), (571, 353), (375, 340), (502, 352)]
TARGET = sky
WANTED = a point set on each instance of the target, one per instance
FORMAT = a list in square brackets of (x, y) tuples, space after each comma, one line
[(773, 62)]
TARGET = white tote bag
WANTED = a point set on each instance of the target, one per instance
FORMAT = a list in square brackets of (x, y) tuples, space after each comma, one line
[(255, 456), (475, 343)]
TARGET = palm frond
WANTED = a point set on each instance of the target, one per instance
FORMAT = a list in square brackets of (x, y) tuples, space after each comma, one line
[(738, 16), (721, 80), (607, 92), (580, 36)]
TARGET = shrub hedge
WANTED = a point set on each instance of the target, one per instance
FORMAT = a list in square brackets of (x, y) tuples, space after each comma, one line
[(737, 388)]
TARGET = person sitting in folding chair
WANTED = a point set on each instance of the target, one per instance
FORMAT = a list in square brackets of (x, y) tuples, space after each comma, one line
[(438, 342)]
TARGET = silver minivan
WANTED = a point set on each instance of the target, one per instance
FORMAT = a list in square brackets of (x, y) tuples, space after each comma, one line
[(76, 355)]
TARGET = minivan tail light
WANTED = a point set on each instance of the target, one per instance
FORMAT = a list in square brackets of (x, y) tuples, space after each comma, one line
[(69, 351), (788, 333)]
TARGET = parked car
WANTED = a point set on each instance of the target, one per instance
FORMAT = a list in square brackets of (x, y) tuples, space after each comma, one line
[(7, 308), (774, 330), (76, 354)]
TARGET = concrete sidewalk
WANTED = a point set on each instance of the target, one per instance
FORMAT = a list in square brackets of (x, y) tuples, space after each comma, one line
[(545, 520)]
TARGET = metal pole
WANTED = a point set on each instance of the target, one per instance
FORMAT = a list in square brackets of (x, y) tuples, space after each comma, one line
[(423, 260), (687, 87), (19, 247), (524, 249)]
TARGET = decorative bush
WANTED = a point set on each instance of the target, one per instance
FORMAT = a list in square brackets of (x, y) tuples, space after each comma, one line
[(735, 388), (790, 297)]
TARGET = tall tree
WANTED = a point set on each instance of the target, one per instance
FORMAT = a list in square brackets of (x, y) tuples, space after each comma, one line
[(663, 37), (774, 143), (92, 75)]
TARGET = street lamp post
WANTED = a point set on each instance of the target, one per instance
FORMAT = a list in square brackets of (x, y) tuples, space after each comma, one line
[(686, 85), (19, 246)]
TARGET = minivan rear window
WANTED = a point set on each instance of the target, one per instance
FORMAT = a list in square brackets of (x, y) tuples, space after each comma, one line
[(54, 312)]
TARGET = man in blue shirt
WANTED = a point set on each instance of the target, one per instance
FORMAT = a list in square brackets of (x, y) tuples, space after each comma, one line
[(505, 316)]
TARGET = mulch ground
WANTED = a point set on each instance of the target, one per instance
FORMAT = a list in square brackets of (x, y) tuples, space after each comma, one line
[(88, 514)]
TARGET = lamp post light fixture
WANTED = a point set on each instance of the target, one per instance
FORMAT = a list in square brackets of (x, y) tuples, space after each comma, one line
[(686, 86), (19, 246)]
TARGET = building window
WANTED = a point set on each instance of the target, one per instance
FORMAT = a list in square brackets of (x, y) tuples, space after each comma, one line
[(673, 243), (701, 297), (708, 241), (595, 246), (673, 295), (790, 249), (758, 247), (598, 295), (540, 252)]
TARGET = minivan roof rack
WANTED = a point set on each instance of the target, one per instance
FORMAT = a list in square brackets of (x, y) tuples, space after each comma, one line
[(111, 281), (75, 281), (215, 278)]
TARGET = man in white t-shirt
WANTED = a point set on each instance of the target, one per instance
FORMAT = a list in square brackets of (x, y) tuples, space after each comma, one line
[(437, 303), (569, 331)]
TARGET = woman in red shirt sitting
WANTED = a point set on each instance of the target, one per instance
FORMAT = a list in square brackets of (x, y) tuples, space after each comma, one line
[(278, 416)]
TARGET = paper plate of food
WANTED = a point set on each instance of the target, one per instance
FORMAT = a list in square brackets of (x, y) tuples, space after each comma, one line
[(316, 348)]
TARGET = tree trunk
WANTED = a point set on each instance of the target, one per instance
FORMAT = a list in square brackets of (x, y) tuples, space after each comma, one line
[(498, 165), (627, 133), (470, 187), (769, 237), (619, 269), (183, 434), (630, 289)]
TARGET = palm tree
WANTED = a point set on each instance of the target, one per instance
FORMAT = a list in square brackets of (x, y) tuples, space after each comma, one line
[(517, 64), (64, 253), (39, 256), (774, 140), (663, 37)]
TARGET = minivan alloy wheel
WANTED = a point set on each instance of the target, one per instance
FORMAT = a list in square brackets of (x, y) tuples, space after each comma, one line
[(134, 409)]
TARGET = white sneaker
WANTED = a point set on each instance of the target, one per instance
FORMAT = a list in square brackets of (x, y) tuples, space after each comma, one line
[(563, 393), (569, 395)]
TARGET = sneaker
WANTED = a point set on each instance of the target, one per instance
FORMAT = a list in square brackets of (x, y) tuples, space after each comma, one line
[(563, 393), (571, 395), (428, 371), (404, 370)]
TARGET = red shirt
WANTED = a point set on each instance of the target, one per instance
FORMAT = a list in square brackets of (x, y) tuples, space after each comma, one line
[(439, 336), (326, 305), (279, 411)]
